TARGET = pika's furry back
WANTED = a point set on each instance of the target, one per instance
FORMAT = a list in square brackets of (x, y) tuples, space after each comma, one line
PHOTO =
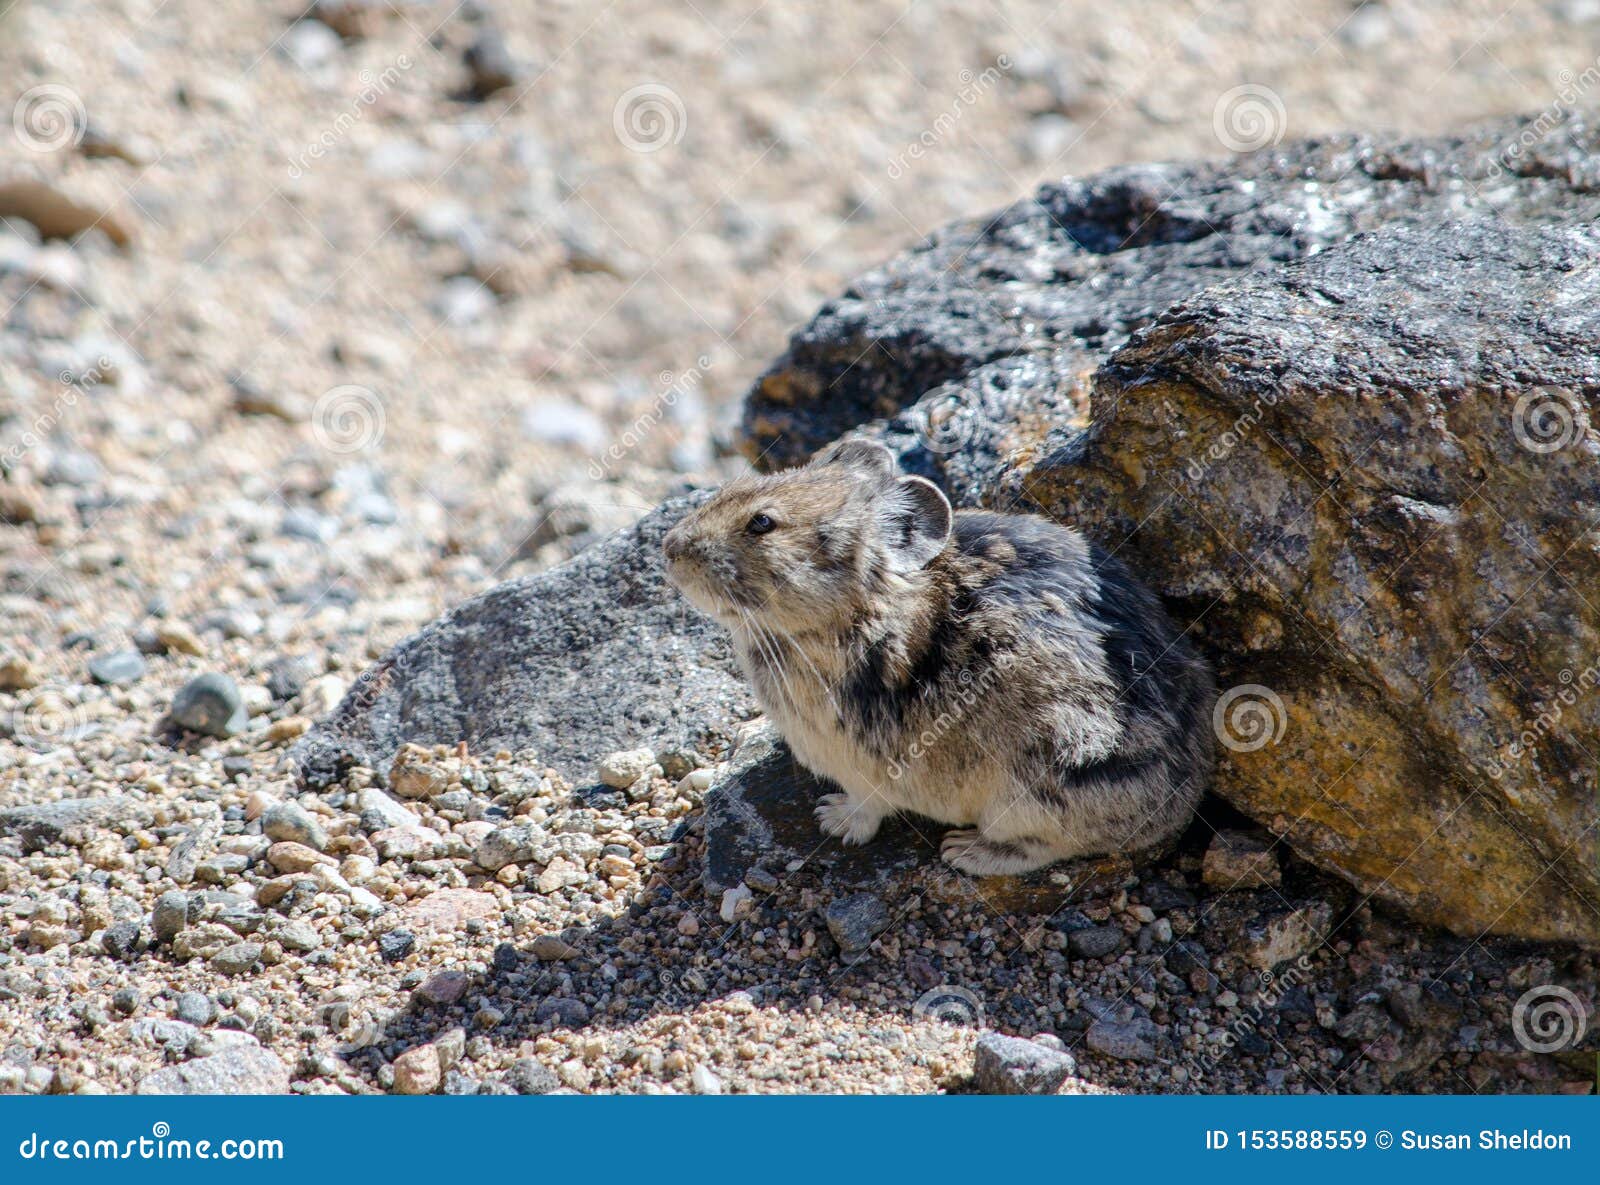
[(991, 671)]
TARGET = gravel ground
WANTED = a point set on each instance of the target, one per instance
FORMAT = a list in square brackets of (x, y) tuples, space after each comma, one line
[(375, 342)]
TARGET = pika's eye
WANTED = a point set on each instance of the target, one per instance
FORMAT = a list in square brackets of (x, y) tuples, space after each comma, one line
[(760, 524)]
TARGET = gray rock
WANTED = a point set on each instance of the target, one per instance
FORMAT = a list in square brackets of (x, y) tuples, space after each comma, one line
[(391, 811), (210, 704), (170, 916), (550, 948), (564, 1012), (298, 936), (236, 958), (288, 675), (1131, 1041), (855, 921), (531, 1076), (47, 823), (243, 1069), (117, 669), (1012, 1065), (291, 822), (193, 847), (1097, 942), (394, 945), (122, 940), (597, 655), (504, 845), (196, 1008)]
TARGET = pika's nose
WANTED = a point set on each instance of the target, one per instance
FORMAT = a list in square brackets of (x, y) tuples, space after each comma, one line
[(676, 544)]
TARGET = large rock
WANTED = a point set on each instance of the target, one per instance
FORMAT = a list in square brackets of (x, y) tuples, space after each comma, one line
[(975, 343), (1361, 467), (1370, 480), (597, 655)]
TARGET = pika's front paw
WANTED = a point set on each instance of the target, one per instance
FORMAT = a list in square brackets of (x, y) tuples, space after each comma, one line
[(969, 852), (847, 820)]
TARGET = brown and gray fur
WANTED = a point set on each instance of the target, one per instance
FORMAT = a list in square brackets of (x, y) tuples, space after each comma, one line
[(992, 671)]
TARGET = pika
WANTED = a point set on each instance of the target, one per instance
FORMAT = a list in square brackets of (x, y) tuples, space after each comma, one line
[(995, 672)]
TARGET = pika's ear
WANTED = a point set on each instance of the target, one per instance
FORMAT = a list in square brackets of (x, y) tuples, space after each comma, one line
[(866, 457), (916, 523)]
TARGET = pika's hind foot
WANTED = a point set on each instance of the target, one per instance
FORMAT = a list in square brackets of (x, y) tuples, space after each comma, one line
[(849, 820), (971, 852)]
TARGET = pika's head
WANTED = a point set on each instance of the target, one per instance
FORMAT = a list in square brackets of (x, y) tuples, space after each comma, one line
[(809, 548)]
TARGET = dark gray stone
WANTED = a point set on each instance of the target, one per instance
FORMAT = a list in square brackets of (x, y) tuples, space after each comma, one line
[(591, 657), (855, 921), (1133, 1041), (123, 941), (394, 945), (1012, 1065), (1097, 942), (1186, 957), (288, 675), (170, 915), (564, 1012), (212, 705)]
